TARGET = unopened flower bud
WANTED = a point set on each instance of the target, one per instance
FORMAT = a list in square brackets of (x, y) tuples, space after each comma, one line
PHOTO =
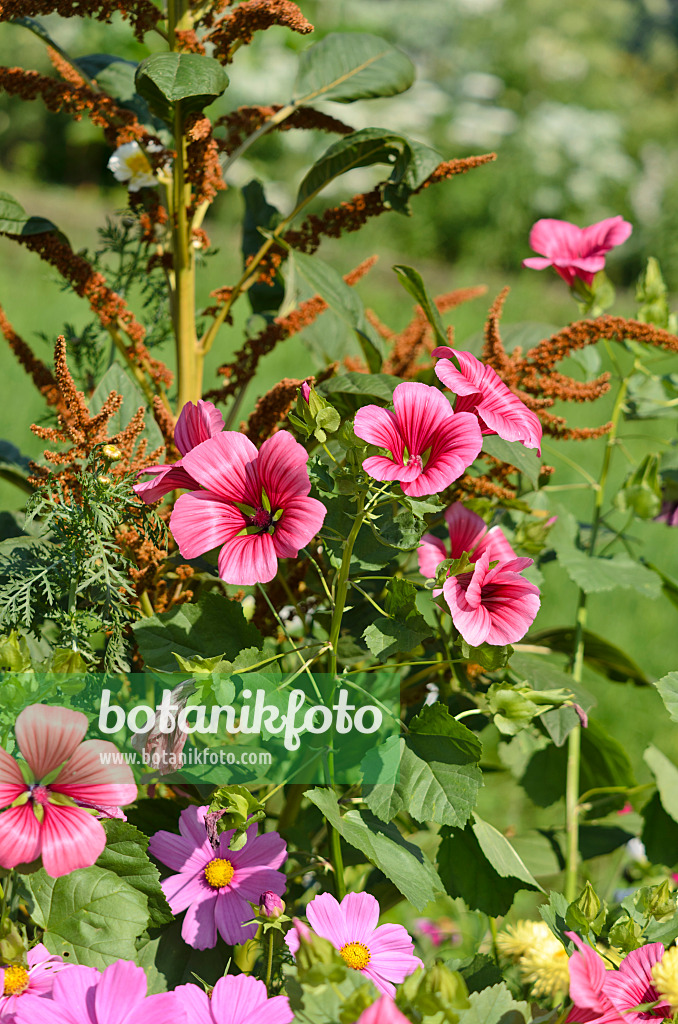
[(104, 480), (111, 452), (305, 391), (271, 905)]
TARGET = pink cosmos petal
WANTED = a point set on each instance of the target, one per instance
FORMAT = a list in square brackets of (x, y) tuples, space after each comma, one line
[(195, 1003), (384, 1011), (201, 521), (282, 469), (12, 782), (266, 850), (177, 853), (230, 911), (379, 427), (325, 917), (19, 836), (192, 827), (379, 982), (605, 235), (587, 975), (31, 1009), (75, 988), (158, 1009), (302, 518), (47, 736), (293, 937), (183, 889), (169, 477), (248, 560), (243, 999), (196, 424), (361, 914), (71, 838), (199, 928), (431, 552), (120, 988), (251, 882), (226, 464)]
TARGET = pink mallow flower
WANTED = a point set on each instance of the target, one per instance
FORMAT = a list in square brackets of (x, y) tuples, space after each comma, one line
[(480, 390), (610, 996), (234, 1000), (216, 884), (430, 445), (50, 819), (575, 252), (196, 424), (494, 606), (256, 505), (17, 981), (81, 995), (384, 1011), (383, 954), (468, 532)]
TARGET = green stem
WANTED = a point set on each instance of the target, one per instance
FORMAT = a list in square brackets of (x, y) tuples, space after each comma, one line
[(572, 802), (269, 960)]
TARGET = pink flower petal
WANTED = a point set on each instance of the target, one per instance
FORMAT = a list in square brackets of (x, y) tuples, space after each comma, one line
[(554, 238), (187, 887), (422, 412), (605, 235), (381, 468), (31, 1009), (47, 736), (325, 917), (283, 471), (12, 782), (496, 545), (235, 998), (537, 262), (158, 1009), (192, 826), (195, 1002), (430, 553), (71, 839), (251, 882), (121, 987), (455, 446), (380, 983), (227, 465), (361, 914), (19, 836), (87, 779), (248, 560), (231, 911), (384, 1011), (196, 424), (167, 478), (379, 427), (466, 529), (266, 850), (587, 975), (201, 521), (301, 520), (199, 928)]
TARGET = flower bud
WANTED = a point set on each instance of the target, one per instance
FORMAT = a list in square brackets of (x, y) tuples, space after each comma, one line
[(305, 391), (271, 906), (111, 452)]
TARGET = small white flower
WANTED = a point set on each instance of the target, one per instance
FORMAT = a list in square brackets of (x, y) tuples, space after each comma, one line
[(130, 164)]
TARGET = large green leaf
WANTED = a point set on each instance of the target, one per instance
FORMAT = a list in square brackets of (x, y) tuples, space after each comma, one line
[(466, 871), (15, 221), (666, 774), (411, 162), (495, 1005), (501, 854), (382, 844), (194, 81), (542, 674), (412, 282), (596, 575), (367, 386), (514, 452), (439, 776), (213, 626), (599, 654), (115, 379), (125, 856), (348, 66), (668, 690), (660, 834), (89, 916), (344, 300)]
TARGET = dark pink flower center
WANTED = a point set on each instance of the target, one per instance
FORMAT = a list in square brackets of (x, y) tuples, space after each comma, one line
[(40, 794), (262, 519)]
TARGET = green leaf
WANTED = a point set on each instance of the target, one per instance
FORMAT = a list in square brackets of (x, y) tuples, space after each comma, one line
[(214, 625), (89, 916), (439, 777), (501, 854), (385, 637), (554, 913), (113, 74), (596, 575), (666, 774), (495, 1005), (668, 690), (542, 674), (524, 459), (125, 856), (466, 872), (600, 655), (660, 834), (15, 221), (366, 385), (411, 162), (169, 961), (344, 300), (412, 282), (383, 845), (348, 66), (190, 79), (115, 379)]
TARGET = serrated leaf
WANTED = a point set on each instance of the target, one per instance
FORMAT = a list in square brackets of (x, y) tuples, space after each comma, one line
[(348, 66), (89, 916), (666, 774), (214, 625), (595, 575), (524, 459), (195, 81), (367, 385), (125, 856), (15, 221), (668, 690), (495, 1005), (382, 844)]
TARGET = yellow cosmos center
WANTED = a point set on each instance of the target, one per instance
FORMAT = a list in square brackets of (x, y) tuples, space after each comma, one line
[(138, 164), (219, 873), (355, 955), (16, 980)]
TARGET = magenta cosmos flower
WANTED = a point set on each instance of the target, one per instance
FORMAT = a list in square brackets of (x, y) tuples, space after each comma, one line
[(81, 995), (217, 885), (575, 252), (468, 532), (430, 445), (480, 390), (196, 424), (610, 996), (234, 1000), (383, 954), (50, 819), (36, 979), (256, 505), (492, 606)]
